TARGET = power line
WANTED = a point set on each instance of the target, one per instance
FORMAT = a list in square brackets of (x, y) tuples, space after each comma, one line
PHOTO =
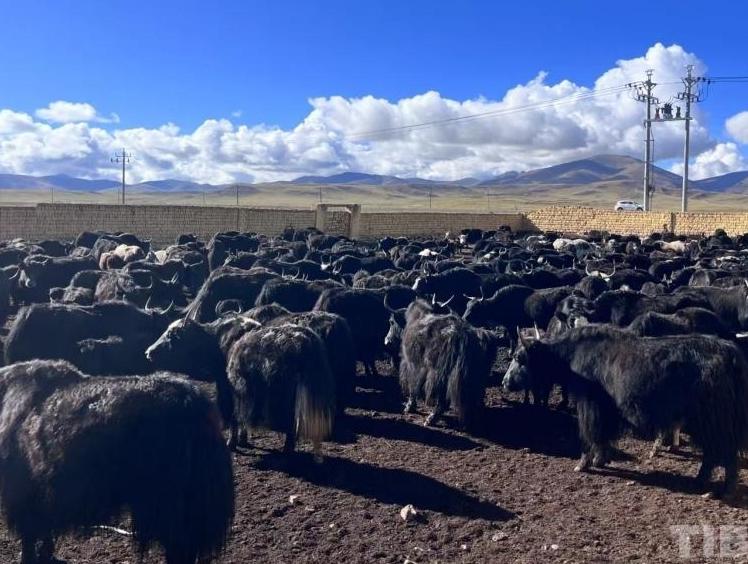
[(501, 112)]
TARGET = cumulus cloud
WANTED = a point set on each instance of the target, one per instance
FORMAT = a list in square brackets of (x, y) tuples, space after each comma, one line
[(537, 123), (720, 159), (72, 112), (737, 127)]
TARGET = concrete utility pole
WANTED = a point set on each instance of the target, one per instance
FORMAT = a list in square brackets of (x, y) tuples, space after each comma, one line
[(644, 94), (123, 158), (689, 98)]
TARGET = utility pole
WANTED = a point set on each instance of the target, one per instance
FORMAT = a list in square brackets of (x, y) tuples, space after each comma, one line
[(644, 94), (688, 97), (123, 158)]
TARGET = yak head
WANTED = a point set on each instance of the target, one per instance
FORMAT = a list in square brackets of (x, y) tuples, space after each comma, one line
[(526, 362), (32, 269), (394, 336), (184, 347)]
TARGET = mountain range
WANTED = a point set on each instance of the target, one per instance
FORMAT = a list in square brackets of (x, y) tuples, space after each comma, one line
[(609, 170)]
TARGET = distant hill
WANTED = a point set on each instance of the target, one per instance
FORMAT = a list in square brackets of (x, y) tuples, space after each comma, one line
[(626, 171), (57, 181), (730, 182), (612, 174)]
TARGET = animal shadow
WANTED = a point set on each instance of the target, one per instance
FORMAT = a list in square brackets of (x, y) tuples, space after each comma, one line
[(547, 431), (399, 430), (392, 486)]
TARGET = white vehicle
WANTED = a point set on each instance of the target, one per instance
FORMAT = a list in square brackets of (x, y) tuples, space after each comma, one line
[(628, 205)]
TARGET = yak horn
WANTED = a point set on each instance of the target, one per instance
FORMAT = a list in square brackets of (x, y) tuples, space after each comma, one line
[(445, 304), (537, 332), (18, 273)]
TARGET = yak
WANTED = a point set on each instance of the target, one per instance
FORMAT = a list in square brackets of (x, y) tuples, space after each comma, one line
[(654, 384), (78, 451), (281, 380), (105, 338), (446, 363), (367, 317)]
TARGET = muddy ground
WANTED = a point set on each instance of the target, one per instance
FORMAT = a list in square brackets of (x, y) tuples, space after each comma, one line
[(509, 495)]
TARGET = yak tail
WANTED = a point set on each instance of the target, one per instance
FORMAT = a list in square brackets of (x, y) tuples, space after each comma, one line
[(464, 394), (315, 404)]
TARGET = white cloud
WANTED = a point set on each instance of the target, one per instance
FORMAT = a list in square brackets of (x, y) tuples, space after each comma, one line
[(72, 112), (236, 114), (597, 119), (720, 159), (737, 127)]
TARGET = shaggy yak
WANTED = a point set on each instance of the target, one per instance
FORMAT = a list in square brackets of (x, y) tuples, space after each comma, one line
[(696, 382), (281, 380), (445, 361), (78, 451)]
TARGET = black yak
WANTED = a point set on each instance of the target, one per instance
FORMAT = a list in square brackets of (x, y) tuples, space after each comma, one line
[(79, 451), (228, 283), (445, 362), (683, 322), (282, 381), (367, 316), (516, 306), (655, 385), (105, 338)]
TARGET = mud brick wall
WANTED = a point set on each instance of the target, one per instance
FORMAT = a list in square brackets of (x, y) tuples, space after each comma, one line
[(428, 223), (163, 223), (160, 223), (18, 222), (577, 219), (696, 223)]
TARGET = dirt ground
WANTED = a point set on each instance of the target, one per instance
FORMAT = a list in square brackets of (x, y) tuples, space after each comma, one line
[(509, 495)]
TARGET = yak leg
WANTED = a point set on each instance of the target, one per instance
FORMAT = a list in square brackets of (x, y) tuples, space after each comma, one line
[(290, 445), (318, 459), (705, 471), (656, 446), (410, 405), (601, 456), (243, 440), (676, 437), (28, 551), (47, 552), (584, 463), (731, 476), (433, 416)]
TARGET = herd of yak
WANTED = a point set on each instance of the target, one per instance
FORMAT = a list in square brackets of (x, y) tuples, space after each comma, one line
[(100, 415)]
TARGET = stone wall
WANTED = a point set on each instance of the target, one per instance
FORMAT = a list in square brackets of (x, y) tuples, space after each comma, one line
[(164, 223), (578, 220), (696, 223), (160, 223), (431, 223)]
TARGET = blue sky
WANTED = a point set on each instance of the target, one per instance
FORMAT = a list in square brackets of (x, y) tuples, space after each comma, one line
[(182, 63)]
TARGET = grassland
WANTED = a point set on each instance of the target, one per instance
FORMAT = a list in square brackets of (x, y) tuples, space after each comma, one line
[(380, 198)]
